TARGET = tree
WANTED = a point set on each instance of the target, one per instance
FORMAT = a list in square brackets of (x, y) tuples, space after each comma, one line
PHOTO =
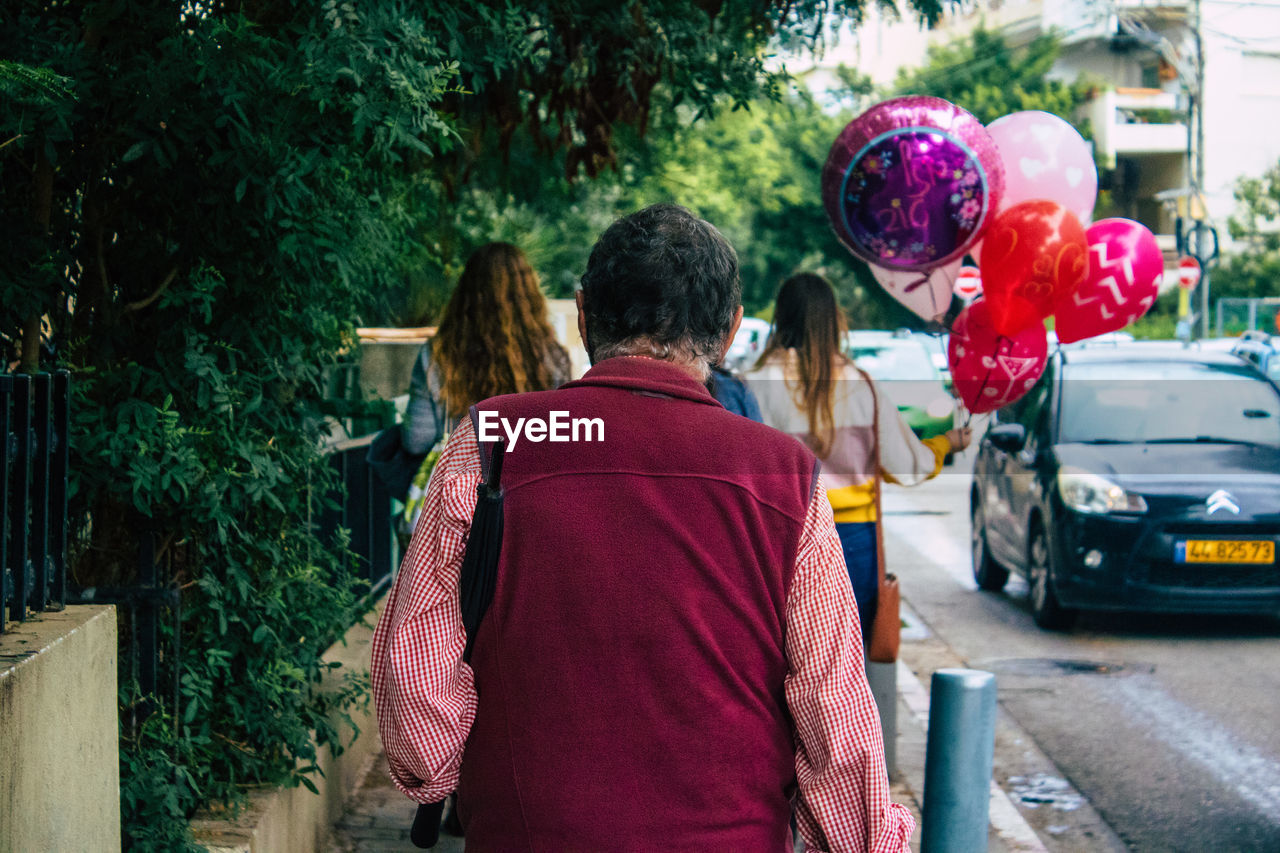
[(1253, 269), (990, 79)]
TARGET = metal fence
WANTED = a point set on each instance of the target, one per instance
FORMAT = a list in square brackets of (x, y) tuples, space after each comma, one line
[(1236, 314), (34, 423), (364, 508)]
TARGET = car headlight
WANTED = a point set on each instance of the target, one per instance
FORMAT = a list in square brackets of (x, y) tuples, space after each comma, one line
[(940, 407), (1085, 492)]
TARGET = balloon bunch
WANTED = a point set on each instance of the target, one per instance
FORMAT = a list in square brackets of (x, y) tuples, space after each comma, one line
[(914, 184)]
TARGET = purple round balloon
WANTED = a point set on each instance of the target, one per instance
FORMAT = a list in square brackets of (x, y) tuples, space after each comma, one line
[(910, 183)]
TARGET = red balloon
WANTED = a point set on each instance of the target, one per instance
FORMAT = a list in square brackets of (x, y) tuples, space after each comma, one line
[(1125, 267), (1034, 254), (988, 369)]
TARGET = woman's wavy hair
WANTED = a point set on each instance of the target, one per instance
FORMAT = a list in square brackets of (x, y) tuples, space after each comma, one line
[(808, 319), (494, 337)]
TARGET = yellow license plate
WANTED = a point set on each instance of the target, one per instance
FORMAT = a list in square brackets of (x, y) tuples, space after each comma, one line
[(1226, 551)]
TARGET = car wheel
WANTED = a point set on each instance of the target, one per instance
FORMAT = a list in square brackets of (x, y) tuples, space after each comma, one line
[(987, 573), (1047, 612)]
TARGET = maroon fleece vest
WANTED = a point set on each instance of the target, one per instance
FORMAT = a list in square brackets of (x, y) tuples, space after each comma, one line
[(630, 669)]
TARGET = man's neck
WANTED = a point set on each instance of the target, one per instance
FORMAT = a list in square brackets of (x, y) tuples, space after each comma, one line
[(698, 370)]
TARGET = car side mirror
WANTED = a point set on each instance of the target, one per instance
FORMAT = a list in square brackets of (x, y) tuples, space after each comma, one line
[(1008, 437)]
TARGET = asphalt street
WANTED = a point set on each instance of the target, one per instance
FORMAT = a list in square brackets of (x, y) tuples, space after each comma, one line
[(1168, 726)]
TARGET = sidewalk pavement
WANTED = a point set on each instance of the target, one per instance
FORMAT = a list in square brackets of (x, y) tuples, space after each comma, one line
[(378, 816)]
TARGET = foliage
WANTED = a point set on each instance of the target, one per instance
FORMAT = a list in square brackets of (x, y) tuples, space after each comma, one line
[(989, 78), (755, 172), (210, 221), (1253, 269)]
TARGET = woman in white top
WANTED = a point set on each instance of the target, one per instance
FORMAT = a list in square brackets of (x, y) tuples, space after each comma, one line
[(807, 387)]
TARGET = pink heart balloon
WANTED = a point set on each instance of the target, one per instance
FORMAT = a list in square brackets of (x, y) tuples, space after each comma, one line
[(1125, 267), (990, 370), (926, 294), (1045, 157)]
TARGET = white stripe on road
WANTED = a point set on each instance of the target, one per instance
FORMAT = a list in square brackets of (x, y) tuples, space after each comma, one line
[(1255, 777)]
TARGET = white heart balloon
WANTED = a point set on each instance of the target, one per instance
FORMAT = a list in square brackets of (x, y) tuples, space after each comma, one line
[(925, 294)]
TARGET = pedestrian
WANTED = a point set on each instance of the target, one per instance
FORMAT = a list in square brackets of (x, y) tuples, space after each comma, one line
[(671, 659), (493, 338), (807, 387), (732, 393)]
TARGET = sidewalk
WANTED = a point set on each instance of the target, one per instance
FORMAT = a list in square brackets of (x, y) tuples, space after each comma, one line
[(378, 816)]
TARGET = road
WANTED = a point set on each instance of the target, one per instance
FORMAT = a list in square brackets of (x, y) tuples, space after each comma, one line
[(1169, 726)]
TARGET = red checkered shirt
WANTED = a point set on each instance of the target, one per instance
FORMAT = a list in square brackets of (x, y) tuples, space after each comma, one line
[(426, 699)]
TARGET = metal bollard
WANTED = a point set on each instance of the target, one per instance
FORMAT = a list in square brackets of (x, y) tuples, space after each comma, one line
[(958, 759)]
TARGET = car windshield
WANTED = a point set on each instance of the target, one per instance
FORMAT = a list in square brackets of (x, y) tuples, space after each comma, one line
[(1169, 402), (893, 362)]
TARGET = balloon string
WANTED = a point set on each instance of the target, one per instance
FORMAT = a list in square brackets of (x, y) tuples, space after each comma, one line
[(1001, 340)]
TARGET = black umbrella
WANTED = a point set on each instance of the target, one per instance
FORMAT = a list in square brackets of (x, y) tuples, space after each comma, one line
[(476, 581)]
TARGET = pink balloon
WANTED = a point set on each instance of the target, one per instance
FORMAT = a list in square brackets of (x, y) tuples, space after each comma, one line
[(990, 370), (926, 294), (1044, 157), (1125, 266), (910, 183)]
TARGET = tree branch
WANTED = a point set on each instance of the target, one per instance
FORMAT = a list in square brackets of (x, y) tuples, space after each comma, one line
[(155, 294)]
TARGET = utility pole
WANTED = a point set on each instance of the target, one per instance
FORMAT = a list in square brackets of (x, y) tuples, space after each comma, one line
[(1201, 239), (1200, 249)]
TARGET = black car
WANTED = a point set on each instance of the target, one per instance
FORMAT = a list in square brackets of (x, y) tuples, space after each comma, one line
[(1133, 478)]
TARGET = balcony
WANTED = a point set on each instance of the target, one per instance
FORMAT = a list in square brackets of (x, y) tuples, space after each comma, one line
[(1129, 122)]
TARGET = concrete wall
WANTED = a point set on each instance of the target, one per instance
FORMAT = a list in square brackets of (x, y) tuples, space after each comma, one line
[(59, 733), (294, 820)]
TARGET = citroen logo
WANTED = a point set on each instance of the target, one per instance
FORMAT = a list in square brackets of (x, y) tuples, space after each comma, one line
[(1221, 499)]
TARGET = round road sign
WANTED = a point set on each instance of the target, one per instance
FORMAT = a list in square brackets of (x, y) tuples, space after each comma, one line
[(1188, 272)]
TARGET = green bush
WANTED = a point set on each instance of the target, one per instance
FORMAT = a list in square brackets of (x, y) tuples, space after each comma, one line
[(212, 218)]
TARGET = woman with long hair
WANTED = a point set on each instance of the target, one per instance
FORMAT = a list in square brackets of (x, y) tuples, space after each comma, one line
[(494, 338), (807, 387)]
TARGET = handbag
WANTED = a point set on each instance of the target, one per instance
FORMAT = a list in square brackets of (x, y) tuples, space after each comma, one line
[(886, 624), (476, 581)]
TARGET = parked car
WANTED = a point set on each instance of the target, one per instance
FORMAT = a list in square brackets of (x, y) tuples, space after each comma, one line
[(937, 347), (1261, 351), (747, 344), (902, 366), (1133, 478)]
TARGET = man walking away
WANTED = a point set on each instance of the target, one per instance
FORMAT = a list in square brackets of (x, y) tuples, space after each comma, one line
[(672, 657)]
